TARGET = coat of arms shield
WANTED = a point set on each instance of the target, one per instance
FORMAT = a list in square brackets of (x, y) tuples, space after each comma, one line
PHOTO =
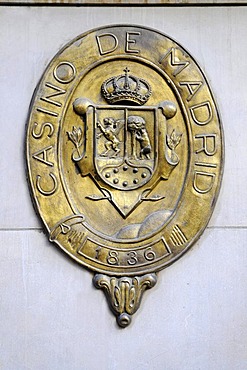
[(130, 142)]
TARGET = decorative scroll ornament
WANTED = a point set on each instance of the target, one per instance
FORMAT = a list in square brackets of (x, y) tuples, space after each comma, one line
[(124, 153), (124, 293)]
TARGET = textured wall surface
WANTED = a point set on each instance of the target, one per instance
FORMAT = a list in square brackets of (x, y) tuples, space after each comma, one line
[(51, 315), (130, 2)]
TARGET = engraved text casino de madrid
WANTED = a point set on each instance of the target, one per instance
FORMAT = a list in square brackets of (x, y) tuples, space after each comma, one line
[(124, 150)]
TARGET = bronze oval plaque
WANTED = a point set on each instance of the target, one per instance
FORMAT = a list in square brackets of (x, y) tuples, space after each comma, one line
[(125, 152)]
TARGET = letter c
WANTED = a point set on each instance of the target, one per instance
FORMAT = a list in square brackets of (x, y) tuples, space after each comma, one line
[(47, 192)]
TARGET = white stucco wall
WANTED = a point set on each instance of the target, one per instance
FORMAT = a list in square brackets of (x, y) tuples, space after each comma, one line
[(51, 315)]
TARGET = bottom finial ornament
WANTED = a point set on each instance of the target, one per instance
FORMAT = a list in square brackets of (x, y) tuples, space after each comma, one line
[(124, 294)]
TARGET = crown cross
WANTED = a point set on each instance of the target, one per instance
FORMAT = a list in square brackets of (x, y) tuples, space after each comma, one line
[(126, 85)]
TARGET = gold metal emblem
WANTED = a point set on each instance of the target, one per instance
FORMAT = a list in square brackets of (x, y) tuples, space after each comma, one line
[(124, 153)]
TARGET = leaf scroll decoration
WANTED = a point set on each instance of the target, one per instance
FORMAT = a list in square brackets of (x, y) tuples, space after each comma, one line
[(172, 142), (77, 139)]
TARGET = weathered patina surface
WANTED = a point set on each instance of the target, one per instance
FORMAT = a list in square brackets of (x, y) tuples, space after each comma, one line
[(125, 153)]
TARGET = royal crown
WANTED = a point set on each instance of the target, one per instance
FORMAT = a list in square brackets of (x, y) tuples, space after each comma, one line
[(126, 88)]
